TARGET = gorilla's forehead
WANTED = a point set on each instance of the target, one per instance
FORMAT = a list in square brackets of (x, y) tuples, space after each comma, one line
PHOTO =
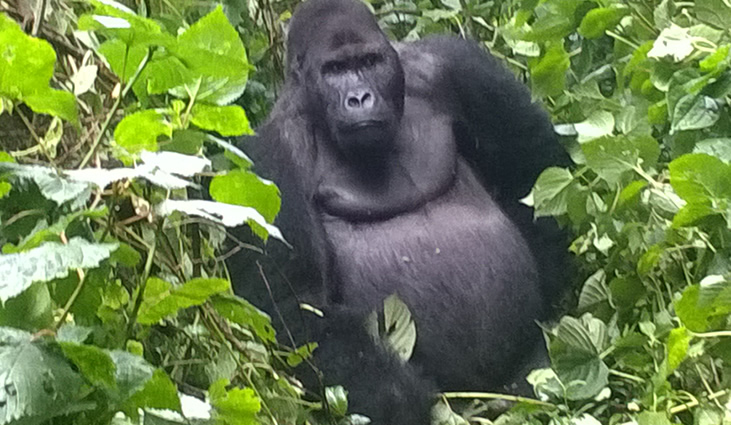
[(331, 24)]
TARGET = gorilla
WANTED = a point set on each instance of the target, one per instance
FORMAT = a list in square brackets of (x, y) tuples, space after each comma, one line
[(400, 167)]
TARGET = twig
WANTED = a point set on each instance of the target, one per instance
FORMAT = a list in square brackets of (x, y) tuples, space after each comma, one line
[(113, 111), (497, 396)]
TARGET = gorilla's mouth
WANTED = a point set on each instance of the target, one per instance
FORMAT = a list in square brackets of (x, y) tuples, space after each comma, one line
[(364, 136), (364, 126)]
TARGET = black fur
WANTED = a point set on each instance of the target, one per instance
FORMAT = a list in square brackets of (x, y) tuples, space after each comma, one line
[(400, 167)]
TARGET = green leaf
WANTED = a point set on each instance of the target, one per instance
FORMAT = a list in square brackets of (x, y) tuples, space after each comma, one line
[(123, 59), (131, 373), (694, 316), (612, 157), (694, 112), (551, 191), (678, 343), (51, 185), (49, 261), (38, 383), (301, 353), (598, 20), (122, 23), (691, 214), (225, 120), (700, 178), (94, 363), (54, 102), (716, 61), (212, 48), (399, 326), (575, 357), (598, 124), (594, 291), (337, 400), (653, 418), (236, 407), (720, 148), (241, 187), (26, 68), (139, 131), (158, 303), (714, 12), (548, 75), (243, 313), (32, 310), (159, 392)]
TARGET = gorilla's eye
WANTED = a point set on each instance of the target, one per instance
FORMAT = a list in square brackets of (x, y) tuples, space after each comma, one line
[(334, 67), (369, 60)]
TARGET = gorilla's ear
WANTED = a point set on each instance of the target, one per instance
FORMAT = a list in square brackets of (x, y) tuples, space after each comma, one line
[(296, 67)]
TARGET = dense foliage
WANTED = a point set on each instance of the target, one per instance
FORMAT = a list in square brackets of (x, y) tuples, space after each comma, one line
[(115, 302)]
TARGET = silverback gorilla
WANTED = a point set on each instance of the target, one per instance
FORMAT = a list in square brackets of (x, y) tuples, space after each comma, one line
[(401, 166)]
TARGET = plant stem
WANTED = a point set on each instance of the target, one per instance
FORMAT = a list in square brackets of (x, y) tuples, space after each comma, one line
[(113, 111), (497, 396)]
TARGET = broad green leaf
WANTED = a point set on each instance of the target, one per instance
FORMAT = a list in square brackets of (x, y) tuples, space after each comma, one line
[(241, 187), (694, 112), (575, 353), (399, 327), (598, 124), (26, 68), (51, 185), (243, 313), (139, 131), (53, 102), (225, 120), (158, 304), (678, 343), (720, 148), (236, 407), (123, 59), (122, 23), (653, 418), (551, 191), (612, 157), (131, 373), (548, 74), (225, 214), (38, 383), (714, 12), (49, 261), (159, 392), (594, 291), (694, 316), (165, 72), (212, 48), (93, 363), (700, 178), (31, 310), (598, 20), (691, 214)]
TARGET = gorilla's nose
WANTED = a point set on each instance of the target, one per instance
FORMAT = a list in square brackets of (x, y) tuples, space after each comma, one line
[(360, 99)]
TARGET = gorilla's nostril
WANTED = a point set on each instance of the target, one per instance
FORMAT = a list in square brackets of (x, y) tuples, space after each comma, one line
[(367, 100), (353, 102)]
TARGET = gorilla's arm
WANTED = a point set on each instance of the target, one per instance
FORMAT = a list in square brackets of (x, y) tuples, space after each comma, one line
[(508, 138)]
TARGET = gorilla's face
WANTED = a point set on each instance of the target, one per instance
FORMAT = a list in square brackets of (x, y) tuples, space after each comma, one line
[(354, 82), (360, 90)]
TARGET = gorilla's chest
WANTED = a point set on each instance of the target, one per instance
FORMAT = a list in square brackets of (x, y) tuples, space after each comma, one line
[(461, 238)]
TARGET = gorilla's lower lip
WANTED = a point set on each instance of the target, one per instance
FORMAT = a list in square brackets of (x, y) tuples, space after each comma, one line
[(364, 124)]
